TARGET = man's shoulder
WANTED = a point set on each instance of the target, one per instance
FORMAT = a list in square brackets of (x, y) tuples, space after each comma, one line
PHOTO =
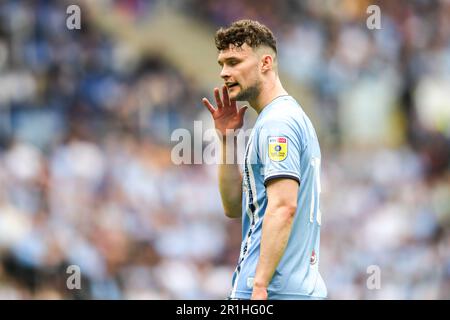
[(286, 111)]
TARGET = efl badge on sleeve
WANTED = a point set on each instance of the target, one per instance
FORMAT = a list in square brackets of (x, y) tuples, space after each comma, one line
[(278, 148)]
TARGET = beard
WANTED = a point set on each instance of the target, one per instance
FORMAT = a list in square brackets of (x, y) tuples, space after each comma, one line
[(250, 93)]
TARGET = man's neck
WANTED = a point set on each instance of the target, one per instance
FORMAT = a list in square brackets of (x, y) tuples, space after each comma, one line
[(267, 95)]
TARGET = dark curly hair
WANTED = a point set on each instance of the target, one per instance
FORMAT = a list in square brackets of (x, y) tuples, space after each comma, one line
[(250, 32)]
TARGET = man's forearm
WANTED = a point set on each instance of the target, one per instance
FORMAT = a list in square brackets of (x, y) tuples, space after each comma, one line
[(230, 181), (276, 230)]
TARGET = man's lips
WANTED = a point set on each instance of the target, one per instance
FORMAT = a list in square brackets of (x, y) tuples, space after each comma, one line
[(232, 85)]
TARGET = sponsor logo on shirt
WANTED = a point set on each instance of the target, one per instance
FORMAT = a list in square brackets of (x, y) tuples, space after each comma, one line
[(278, 148)]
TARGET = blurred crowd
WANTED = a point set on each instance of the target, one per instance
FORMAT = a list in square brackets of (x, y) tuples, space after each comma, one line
[(86, 176)]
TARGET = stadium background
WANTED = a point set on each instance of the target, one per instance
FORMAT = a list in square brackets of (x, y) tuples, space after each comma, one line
[(85, 123)]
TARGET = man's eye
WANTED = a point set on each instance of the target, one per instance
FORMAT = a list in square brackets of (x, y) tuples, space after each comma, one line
[(233, 63)]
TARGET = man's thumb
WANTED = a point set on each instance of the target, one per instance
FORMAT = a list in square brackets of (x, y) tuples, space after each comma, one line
[(242, 110)]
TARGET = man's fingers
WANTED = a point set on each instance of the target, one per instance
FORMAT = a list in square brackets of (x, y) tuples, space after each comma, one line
[(226, 99), (217, 96), (233, 104), (208, 105)]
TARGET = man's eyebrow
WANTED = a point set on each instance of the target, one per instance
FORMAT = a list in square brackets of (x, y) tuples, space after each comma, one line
[(220, 62)]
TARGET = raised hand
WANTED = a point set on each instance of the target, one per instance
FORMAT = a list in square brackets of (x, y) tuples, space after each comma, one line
[(226, 115)]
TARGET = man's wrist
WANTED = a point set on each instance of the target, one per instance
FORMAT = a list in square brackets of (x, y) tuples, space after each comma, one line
[(227, 137), (259, 284)]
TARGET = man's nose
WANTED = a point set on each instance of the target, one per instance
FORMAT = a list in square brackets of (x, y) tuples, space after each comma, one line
[(224, 74)]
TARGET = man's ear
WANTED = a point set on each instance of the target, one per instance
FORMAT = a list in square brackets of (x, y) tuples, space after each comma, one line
[(267, 63)]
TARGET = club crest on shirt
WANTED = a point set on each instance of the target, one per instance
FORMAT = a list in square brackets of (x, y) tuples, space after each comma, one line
[(278, 148)]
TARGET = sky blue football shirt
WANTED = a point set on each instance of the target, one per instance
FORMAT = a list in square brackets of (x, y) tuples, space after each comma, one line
[(283, 144)]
